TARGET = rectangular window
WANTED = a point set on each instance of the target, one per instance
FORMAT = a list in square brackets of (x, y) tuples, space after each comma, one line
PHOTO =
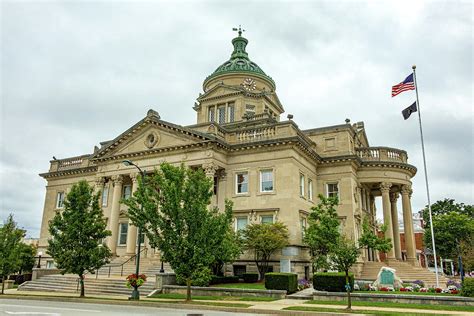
[(126, 191), (211, 114), (60, 200), (221, 114), (302, 185), (242, 182), (123, 233), (241, 223), (266, 181), (105, 195), (50, 264), (250, 109), (266, 219), (303, 226), (230, 112), (310, 189), (332, 189)]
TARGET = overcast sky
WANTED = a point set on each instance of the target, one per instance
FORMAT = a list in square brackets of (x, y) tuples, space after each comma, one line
[(74, 73)]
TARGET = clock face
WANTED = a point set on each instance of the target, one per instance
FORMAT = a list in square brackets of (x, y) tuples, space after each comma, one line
[(249, 84)]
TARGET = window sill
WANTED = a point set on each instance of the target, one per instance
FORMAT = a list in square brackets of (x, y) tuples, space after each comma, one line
[(236, 195), (267, 193)]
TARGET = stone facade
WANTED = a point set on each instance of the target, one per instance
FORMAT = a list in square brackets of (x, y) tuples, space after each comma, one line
[(270, 168)]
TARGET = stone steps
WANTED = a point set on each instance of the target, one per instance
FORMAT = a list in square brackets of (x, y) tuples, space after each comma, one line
[(405, 271)]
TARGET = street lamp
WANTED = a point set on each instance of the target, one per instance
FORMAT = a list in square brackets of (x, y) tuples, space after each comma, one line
[(40, 253), (135, 293)]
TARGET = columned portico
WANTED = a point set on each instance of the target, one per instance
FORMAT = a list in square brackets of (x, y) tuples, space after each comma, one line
[(408, 224), (387, 216), (114, 213), (132, 229), (395, 225)]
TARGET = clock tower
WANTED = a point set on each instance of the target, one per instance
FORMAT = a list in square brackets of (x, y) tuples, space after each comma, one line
[(237, 90)]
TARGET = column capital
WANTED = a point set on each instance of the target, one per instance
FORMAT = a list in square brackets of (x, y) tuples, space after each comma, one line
[(385, 187), (117, 179), (406, 189), (134, 177), (394, 197), (99, 181), (222, 175), (210, 169)]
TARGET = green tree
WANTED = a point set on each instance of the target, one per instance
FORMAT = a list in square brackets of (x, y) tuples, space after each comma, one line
[(323, 231), (77, 233), (371, 240), (228, 251), (383, 244), (263, 240), (453, 225), (10, 248), (344, 256), (27, 257), (177, 220)]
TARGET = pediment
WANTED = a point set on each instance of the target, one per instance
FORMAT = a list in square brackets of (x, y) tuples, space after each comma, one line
[(150, 134), (219, 91)]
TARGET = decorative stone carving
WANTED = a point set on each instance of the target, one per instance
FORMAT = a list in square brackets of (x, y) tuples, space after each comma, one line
[(394, 197), (134, 177), (222, 175), (385, 187), (117, 179), (152, 139), (99, 182), (406, 189), (210, 169)]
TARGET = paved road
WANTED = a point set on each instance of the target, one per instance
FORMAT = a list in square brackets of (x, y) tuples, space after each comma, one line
[(49, 308)]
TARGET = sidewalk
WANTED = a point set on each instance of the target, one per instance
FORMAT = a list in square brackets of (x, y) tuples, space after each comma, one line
[(275, 307)]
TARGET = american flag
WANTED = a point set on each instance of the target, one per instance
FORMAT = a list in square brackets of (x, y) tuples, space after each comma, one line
[(405, 85)]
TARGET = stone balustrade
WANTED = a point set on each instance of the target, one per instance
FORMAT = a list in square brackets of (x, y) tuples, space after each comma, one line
[(382, 154), (72, 163)]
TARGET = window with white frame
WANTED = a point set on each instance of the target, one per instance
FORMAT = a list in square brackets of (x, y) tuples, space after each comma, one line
[(211, 116), (332, 189), (221, 114), (310, 189), (123, 233), (241, 222), (50, 264), (105, 195), (266, 219), (230, 112), (126, 191), (266, 181), (301, 185), (60, 200), (242, 182)]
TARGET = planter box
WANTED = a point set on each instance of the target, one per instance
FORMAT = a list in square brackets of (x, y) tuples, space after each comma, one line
[(395, 298), (217, 291)]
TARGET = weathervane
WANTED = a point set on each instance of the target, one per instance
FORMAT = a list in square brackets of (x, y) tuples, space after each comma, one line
[(240, 30)]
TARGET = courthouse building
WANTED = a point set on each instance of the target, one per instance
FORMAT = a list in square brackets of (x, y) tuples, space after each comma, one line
[(260, 159)]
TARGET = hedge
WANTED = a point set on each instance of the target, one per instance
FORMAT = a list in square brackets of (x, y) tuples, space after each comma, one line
[(332, 281), (468, 287), (216, 279), (281, 281), (250, 277)]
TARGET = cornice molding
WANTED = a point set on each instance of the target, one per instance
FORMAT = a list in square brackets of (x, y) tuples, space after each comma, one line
[(68, 172)]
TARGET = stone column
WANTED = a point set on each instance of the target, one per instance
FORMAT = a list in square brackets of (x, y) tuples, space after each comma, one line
[(408, 224), (395, 225), (387, 216), (115, 213), (132, 229), (99, 187)]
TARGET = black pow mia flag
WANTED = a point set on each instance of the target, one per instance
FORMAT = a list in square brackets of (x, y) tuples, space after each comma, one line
[(409, 110)]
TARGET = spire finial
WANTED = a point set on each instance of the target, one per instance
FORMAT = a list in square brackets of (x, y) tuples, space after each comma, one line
[(239, 30)]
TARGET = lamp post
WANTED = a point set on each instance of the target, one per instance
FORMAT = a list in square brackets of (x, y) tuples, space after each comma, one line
[(135, 293), (39, 259)]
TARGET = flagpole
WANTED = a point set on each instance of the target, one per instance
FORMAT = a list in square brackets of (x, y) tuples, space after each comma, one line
[(426, 177)]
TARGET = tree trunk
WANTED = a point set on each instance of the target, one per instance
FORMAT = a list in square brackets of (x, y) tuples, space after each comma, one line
[(348, 289), (3, 284), (81, 281), (188, 290)]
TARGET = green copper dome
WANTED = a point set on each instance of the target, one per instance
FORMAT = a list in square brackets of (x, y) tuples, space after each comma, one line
[(239, 62)]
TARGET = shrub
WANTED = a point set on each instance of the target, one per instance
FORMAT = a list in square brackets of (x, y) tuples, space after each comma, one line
[(250, 277), (468, 287), (332, 281), (217, 279), (303, 284), (281, 281)]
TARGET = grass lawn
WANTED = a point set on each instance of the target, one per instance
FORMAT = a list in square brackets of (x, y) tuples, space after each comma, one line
[(214, 298), (397, 305), (332, 310), (249, 286)]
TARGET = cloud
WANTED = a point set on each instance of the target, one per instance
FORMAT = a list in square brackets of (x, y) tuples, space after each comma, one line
[(77, 73)]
